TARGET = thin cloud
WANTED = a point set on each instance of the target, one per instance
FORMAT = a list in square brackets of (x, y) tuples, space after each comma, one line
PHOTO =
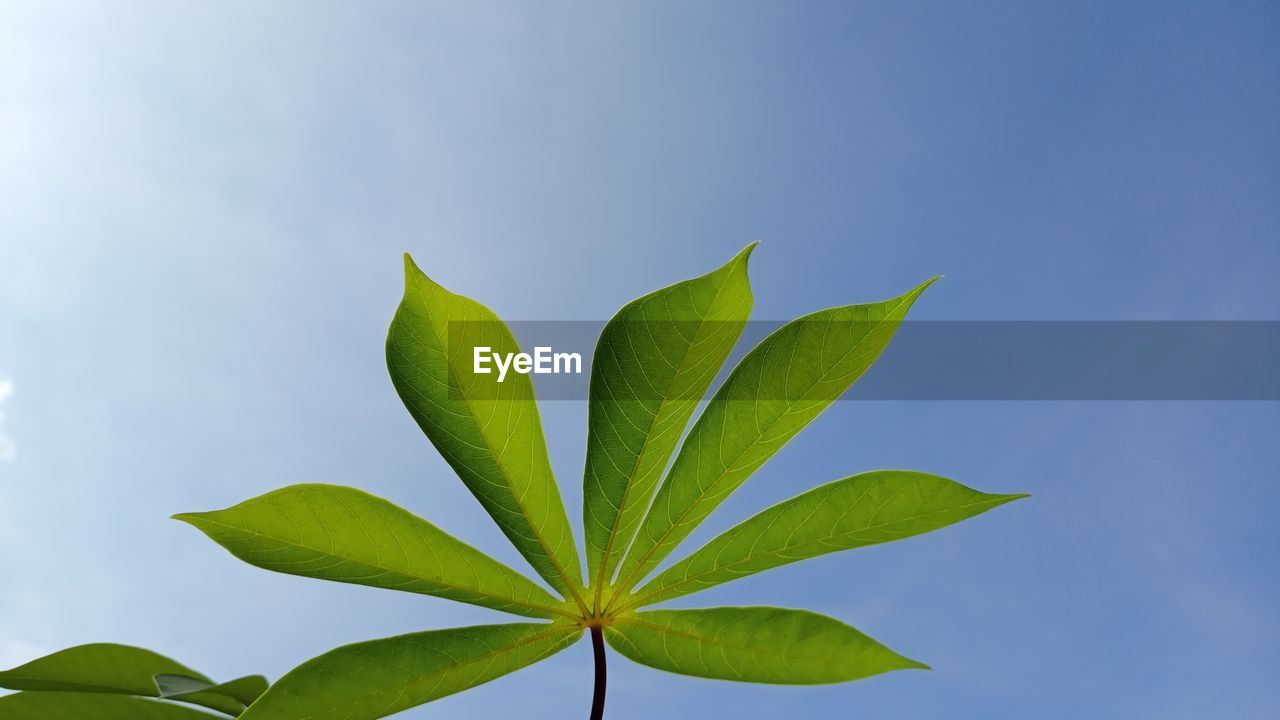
[(8, 450)]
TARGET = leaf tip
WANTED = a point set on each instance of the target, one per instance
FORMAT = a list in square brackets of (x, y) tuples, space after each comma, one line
[(914, 293), (743, 256), (410, 267), (415, 278)]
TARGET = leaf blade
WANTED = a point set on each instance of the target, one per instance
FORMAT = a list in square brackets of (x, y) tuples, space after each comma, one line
[(342, 534), (96, 668), (653, 363), (753, 644), (92, 706), (377, 678), (778, 388), (489, 432), (865, 509)]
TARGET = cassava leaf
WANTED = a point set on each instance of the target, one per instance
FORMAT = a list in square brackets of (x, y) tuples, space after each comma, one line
[(753, 644), (777, 389), (487, 430), (92, 706), (347, 535), (378, 678), (866, 509), (97, 668), (653, 363)]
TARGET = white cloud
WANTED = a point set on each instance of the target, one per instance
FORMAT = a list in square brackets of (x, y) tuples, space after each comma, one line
[(8, 450)]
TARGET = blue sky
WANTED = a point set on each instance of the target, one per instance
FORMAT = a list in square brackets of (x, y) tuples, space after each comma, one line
[(204, 210)]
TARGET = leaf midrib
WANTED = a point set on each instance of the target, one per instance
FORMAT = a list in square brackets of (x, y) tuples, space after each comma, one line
[(704, 640), (389, 571), (78, 686), (645, 599)]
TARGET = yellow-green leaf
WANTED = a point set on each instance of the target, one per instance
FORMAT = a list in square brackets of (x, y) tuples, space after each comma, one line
[(347, 535), (867, 509), (653, 363), (488, 431), (753, 644), (377, 678)]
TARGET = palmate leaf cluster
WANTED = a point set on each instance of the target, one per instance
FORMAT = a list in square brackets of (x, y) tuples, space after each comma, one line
[(105, 681), (644, 492)]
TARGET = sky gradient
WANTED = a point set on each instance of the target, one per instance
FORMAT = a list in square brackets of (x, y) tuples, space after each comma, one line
[(203, 215)]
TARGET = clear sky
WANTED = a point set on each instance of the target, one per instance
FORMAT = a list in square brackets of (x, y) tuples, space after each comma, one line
[(203, 206)]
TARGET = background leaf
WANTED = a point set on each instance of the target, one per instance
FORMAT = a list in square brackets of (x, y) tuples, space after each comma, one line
[(245, 689), (752, 644), (97, 668), (777, 389), (489, 432), (230, 697), (865, 509), (653, 364), (92, 706), (378, 678), (347, 535)]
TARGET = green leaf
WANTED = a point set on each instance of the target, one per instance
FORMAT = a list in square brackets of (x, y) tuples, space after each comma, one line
[(96, 668), (866, 509), (92, 706), (378, 678), (245, 689), (653, 364), (487, 430), (753, 644), (347, 535), (778, 388), (230, 697)]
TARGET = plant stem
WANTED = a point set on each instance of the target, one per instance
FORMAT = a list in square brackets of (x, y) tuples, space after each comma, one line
[(597, 698)]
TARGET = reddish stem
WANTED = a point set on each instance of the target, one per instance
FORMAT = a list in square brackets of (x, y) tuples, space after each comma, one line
[(597, 699)]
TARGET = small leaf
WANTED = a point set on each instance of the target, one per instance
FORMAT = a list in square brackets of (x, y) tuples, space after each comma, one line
[(92, 706), (653, 364), (97, 668), (488, 431), (347, 535), (777, 389), (753, 644), (197, 692), (374, 679), (245, 689), (867, 509), (230, 697), (171, 685)]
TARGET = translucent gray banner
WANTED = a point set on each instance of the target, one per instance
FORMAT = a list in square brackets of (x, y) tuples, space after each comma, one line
[(955, 360)]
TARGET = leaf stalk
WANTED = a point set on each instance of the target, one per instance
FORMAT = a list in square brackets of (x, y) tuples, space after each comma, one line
[(597, 649)]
